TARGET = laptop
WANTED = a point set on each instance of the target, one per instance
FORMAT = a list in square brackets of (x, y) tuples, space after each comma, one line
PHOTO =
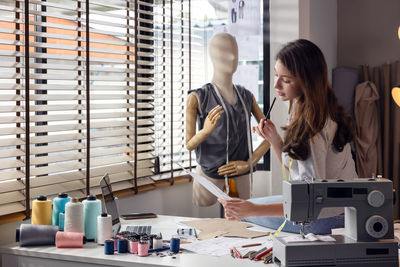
[(111, 208)]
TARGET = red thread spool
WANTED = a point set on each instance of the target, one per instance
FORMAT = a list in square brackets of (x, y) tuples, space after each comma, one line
[(69, 240)]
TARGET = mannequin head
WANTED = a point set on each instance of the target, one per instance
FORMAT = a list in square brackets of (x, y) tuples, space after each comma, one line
[(223, 52)]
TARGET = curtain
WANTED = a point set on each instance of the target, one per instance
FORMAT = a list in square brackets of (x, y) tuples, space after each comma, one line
[(385, 77), (366, 115)]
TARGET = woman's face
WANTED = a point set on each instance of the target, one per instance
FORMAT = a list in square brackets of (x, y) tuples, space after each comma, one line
[(286, 85)]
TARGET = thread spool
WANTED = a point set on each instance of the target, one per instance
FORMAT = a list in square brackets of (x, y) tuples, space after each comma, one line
[(150, 237), (133, 245), (115, 239), (174, 244), (109, 247), (42, 211), (104, 228), (61, 221), (59, 203), (122, 246), (74, 216), (69, 240), (36, 235), (143, 248), (157, 242), (91, 210)]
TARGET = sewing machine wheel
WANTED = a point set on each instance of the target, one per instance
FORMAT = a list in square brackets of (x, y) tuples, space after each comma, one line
[(376, 226)]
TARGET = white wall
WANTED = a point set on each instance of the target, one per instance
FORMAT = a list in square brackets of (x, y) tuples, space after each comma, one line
[(367, 32), (318, 23), (284, 27), (177, 200), (315, 20)]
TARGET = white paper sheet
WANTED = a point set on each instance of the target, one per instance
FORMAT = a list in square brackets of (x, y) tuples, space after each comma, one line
[(248, 49), (247, 76), (244, 17), (221, 246), (208, 185), (308, 238)]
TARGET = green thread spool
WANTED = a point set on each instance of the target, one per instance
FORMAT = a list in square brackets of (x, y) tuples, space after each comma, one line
[(91, 210)]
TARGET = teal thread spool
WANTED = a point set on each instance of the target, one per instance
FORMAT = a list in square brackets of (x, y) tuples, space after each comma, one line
[(59, 203), (61, 221), (91, 210)]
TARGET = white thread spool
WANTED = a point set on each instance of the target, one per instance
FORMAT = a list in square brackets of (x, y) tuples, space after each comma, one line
[(157, 242), (74, 219), (104, 228)]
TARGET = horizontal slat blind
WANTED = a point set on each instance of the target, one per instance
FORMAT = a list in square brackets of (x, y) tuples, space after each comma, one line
[(12, 112), (128, 88), (99, 87), (173, 66), (58, 97)]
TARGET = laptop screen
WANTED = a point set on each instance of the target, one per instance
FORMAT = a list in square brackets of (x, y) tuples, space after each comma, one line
[(109, 201)]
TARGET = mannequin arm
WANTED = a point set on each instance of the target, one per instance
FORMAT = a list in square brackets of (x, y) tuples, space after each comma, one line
[(239, 167), (193, 139)]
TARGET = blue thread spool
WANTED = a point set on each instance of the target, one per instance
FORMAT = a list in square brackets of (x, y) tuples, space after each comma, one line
[(174, 244), (122, 246), (59, 206), (91, 210), (61, 221), (109, 247), (151, 241)]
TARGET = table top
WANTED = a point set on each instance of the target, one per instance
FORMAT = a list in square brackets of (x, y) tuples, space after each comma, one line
[(94, 253)]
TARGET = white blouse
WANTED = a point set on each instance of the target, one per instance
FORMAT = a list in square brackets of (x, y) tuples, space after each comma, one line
[(323, 162)]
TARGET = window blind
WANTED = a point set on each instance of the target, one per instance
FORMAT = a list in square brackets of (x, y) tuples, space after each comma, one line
[(173, 56), (12, 107), (80, 97)]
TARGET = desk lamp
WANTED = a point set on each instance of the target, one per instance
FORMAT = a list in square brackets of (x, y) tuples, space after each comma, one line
[(396, 95)]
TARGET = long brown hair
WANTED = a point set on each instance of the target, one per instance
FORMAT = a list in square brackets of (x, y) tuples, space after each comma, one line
[(317, 103)]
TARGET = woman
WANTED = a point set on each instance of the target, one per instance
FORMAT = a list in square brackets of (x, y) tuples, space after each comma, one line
[(316, 141)]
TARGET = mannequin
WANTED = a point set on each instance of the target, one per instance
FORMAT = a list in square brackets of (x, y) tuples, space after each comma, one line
[(223, 51)]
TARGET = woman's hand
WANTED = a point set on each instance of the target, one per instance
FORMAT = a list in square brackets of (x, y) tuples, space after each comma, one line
[(237, 209), (267, 130)]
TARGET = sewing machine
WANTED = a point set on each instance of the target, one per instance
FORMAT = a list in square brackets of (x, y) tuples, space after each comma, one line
[(368, 239)]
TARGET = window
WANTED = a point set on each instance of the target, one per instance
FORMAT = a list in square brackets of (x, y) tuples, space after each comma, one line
[(99, 87)]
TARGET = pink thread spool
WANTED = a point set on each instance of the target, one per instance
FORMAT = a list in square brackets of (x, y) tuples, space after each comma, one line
[(143, 248), (115, 243), (134, 246), (69, 240)]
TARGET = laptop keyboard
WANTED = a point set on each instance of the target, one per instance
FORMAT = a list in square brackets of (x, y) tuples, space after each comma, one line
[(142, 229)]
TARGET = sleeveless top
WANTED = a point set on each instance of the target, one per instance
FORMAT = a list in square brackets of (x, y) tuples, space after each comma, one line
[(211, 153)]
